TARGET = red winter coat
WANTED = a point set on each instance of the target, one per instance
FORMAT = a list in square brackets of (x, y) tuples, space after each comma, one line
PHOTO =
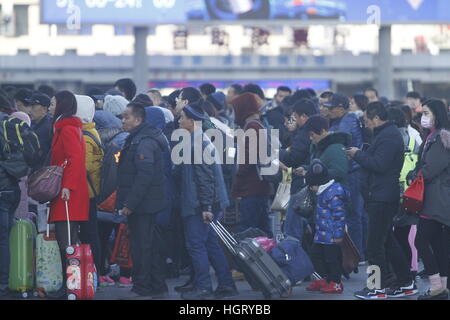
[(68, 144)]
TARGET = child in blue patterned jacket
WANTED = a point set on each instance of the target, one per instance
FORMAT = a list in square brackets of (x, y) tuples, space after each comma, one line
[(330, 228)]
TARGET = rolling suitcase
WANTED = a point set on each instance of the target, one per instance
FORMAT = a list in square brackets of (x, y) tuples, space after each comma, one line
[(81, 273), (21, 269), (258, 267), (48, 263)]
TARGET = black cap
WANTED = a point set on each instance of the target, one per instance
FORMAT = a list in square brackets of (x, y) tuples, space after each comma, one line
[(39, 99), (23, 95), (338, 100)]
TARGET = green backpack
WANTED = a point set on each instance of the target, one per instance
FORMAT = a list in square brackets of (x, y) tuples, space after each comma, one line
[(409, 163)]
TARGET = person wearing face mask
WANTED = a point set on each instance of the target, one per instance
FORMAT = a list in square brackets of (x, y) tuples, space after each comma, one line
[(382, 163), (433, 230)]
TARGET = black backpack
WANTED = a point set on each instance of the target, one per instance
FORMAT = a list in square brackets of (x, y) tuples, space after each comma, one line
[(19, 145), (108, 174), (18, 136)]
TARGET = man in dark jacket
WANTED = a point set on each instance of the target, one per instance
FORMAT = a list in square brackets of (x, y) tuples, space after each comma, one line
[(382, 163), (342, 120), (203, 198), (140, 196), (41, 123), (297, 156), (9, 201)]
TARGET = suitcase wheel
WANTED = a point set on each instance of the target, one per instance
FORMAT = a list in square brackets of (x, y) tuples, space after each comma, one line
[(70, 250), (71, 297)]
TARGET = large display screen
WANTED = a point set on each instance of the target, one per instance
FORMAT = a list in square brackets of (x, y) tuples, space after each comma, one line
[(184, 11)]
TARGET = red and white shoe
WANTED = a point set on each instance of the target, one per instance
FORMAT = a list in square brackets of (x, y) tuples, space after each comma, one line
[(333, 287), (317, 285)]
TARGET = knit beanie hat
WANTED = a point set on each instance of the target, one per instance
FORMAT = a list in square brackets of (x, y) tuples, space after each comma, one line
[(218, 100), (115, 104), (317, 174)]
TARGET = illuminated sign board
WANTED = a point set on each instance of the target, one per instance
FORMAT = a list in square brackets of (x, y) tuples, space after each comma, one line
[(184, 11)]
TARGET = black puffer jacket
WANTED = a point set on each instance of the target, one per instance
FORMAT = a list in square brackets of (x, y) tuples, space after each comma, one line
[(43, 130), (297, 156), (382, 163), (141, 181), (115, 134)]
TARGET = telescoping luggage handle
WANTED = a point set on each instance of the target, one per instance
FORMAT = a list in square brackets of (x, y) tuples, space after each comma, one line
[(68, 223), (224, 235), (48, 225)]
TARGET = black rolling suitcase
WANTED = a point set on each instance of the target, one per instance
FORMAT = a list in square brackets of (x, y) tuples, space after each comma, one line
[(258, 267)]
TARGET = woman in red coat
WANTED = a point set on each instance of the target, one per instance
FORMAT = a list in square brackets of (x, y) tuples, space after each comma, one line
[(68, 147)]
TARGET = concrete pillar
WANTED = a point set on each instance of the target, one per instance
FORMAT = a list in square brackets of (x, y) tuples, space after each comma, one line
[(140, 61), (384, 79)]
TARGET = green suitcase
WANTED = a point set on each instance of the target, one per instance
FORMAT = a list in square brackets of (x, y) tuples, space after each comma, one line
[(21, 242)]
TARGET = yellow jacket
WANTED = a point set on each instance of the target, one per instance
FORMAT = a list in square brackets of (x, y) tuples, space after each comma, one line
[(94, 158)]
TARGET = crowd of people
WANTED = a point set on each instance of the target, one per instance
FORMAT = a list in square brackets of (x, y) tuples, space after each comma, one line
[(356, 154)]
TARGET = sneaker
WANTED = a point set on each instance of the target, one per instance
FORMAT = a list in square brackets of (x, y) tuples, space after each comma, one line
[(399, 291), (333, 287), (371, 294), (228, 292), (441, 294), (106, 281), (197, 295), (125, 282), (317, 285)]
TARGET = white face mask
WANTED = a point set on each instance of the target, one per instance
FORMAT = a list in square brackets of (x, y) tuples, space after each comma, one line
[(427, 122)]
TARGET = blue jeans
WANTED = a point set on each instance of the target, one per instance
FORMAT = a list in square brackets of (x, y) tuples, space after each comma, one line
[(293, 226), (204, 249), (355, 216), (9, 201), (254, 213)]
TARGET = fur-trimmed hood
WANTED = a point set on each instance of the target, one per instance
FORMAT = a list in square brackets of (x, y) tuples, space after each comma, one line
[(445, 138)]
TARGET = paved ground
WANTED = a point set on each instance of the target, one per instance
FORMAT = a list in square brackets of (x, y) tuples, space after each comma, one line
[(355, 283)]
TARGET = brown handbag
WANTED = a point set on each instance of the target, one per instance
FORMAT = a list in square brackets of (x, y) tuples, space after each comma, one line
[(350, 254), (44, 185)]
